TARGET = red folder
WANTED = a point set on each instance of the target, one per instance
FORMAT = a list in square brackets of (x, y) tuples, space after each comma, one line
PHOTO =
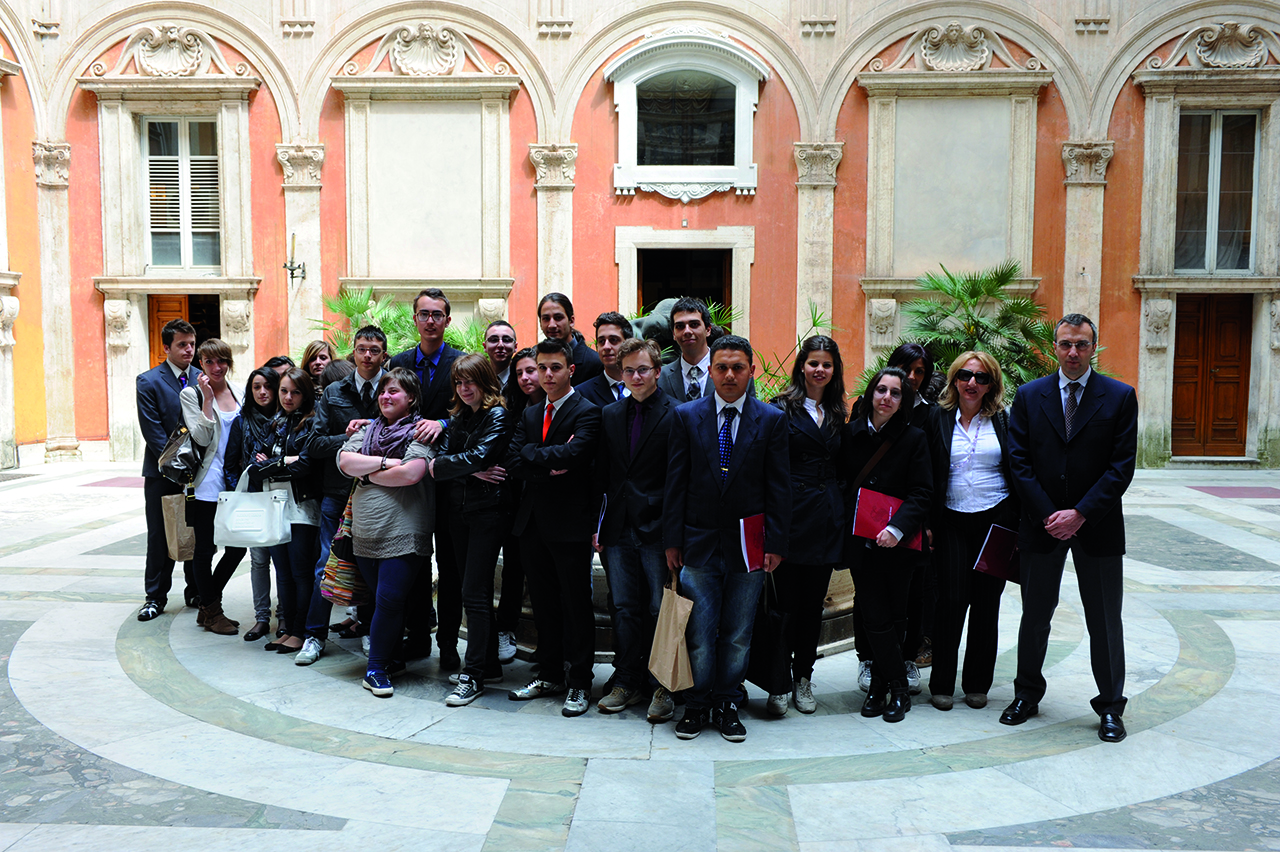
[(999, 554), (751, 533), (874, 512)]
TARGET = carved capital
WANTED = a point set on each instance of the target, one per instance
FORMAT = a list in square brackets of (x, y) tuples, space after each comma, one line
[(1086, 162), (556, 164), (53, 163), (8, 315), (816, 162), (117, 313), (489, 310), (301, 163), (1157, 315), (237, 323), (882, 321)]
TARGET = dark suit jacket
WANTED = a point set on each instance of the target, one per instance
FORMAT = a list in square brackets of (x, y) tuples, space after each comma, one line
[(564, 507), (671, 382), (939, 429), (434, 404), (159, 411), (597, 390), (701, 514), (817, 506), (586, 362), (1089, 473), (903, 472), (337, 406), (633, 487)]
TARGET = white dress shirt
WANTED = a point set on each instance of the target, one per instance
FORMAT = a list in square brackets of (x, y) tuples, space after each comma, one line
[(1063, 381), (976, 481), (704, 365), (721, 405), (811, 406)]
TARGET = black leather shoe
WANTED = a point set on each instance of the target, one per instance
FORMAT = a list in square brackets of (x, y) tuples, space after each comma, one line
[(149, 610), (874, 705), (1112, 728), (1018, 712)]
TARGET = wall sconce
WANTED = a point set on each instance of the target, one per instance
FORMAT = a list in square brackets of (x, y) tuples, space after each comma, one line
[(297, 271)]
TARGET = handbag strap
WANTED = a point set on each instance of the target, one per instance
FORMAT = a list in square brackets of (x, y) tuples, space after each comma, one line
[(870, 465)]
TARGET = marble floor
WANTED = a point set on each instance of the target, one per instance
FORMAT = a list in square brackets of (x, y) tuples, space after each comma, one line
[(118, 734)]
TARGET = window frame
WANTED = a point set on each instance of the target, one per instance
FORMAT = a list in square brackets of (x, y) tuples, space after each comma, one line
[(186, 229), (1215, 191)]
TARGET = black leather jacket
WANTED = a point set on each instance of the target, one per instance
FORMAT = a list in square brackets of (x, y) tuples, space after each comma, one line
[(474, 441), (288, 435), (338, 405)]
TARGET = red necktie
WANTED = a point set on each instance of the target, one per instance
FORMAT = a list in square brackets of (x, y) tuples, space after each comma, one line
[(546, 420)]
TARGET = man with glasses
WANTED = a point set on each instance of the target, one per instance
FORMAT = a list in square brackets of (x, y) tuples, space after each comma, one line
[(1073, 442)]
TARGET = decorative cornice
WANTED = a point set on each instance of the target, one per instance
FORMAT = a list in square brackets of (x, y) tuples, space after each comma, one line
[(297, 27), (822, 25), (555, 164), (301, 163), (555, 28), (954, 47), (1229, 45), (684, 37), (1086, 162), (170, 50), (45, 29), (425, 50), (686, 192), (53, 163), (123, 287), (816, 162), (1158, 285)]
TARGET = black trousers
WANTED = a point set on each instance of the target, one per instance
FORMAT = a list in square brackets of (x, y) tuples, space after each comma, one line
[(210, 581), (158, 576), (512, 600), (963, 590), (882, 583), (559, 575), (477, 537), (802, 589), (1101, 581)]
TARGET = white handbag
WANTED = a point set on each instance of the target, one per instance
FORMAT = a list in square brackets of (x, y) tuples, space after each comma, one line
[(252, 519)]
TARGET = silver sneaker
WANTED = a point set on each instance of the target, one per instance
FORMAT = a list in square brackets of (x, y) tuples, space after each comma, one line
[(662, 708), (619, 699), (311, 651), (465, 692), (777, 704), (506, 646), (575, 703), (536, 688), (364, 644), (803, 696), (864, 675), (913, 677)]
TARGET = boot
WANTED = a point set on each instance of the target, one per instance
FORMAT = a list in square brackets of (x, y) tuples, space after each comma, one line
[(202, 615), (899, 701), (216, 622), (874, 705)]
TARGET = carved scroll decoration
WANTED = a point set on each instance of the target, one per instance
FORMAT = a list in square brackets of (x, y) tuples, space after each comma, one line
[(1222, 46), (954, 47), (427, 50), (117, 313), (1157, 315), (171, 50)]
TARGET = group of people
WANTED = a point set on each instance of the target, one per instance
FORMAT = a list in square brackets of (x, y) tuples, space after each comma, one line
[(549, 453)]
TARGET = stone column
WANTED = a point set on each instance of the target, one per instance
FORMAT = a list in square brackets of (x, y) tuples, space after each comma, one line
[(815, 228), (555, 165), (8, 420), (237, 327), (301, 164), (52, 170), (1086, 180), (122, 420)]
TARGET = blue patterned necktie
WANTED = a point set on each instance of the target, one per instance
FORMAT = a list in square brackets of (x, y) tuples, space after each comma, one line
[(726, 442)]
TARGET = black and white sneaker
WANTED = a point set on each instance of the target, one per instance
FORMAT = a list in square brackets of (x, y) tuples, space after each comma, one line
[(149, 610), (731, 727), (465, 692), (690, 725), (537, 688)]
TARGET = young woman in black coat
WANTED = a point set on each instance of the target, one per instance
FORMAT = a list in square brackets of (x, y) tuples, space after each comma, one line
[(882, 565), (815, 408)]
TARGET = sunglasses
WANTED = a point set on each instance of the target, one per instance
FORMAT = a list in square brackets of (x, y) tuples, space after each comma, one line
[(963, 376)]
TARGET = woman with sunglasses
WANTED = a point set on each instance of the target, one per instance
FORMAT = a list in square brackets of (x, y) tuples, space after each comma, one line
[(969, 438), (881, 451)]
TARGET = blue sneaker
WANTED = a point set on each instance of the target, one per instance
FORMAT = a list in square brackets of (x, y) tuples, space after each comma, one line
[(379, 684)]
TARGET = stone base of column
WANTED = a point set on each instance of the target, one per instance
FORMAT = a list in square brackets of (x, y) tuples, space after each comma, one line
[(62, 449)]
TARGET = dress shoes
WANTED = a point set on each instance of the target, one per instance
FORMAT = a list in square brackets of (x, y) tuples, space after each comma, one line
[(1111, 729), (1018, 712), (259, 630)]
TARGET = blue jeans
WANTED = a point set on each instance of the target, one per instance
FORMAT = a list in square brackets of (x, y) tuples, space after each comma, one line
[(637, 572), (331, 509), (719, 631), (391, 579)]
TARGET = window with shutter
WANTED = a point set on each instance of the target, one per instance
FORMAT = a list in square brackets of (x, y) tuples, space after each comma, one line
[(184, 205)]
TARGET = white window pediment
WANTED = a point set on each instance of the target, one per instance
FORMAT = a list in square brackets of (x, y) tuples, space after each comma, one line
[(710, 60)]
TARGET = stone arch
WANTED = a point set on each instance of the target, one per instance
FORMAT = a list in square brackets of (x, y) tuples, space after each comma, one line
[(746, 26), (352, 37), (32, 72), (101, 35), (1018, 22)]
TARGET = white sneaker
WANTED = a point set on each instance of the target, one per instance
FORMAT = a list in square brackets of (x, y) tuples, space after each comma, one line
[(575, 703), (864, 675), (803, 696), (913, 677), (506, 646), (311, 651), (364, 644), (777, 704)]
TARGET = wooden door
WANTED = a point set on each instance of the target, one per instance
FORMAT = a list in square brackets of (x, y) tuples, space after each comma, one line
[(161, 309), (1212, 346)]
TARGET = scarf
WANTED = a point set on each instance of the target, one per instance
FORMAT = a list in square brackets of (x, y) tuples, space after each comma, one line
[(389, 439)]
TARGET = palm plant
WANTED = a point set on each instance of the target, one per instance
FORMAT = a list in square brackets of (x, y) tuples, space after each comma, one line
[(774, 374), (358, 308)]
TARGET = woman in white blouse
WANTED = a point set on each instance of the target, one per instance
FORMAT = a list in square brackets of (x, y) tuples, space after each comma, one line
[(968, 440)]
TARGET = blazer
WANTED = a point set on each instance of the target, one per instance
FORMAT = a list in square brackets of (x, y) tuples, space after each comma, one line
[(633, 487), (205, 432), (940, 429), (700, 514), (474, 441), (671, 381), (597, 390), (159, 411), (436, 396), (337, 406), (1088, 473), (563, 507), (903, 472), (817, 506), (587, 364)]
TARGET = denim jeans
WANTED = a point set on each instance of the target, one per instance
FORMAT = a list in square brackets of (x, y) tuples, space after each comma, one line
[(637, 573), (295, 575), (719, 632), (391, 580), (331, 509)]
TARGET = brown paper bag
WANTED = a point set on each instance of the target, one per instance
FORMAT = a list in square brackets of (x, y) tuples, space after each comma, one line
[(669, 658), (181, 538)]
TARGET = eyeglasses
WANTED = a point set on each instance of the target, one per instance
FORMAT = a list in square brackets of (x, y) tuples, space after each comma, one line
[(642, 372), (360, 350), (423, 316), (505, 338), (963, 376), (1078, 345)]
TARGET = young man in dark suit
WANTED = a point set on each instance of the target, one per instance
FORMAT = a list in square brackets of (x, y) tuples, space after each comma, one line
[(432, 361), (552, 452), (631, 469), (159, 413), (612, 330), (555, 317), (500, 346), (1073, 442), (728, 461)]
